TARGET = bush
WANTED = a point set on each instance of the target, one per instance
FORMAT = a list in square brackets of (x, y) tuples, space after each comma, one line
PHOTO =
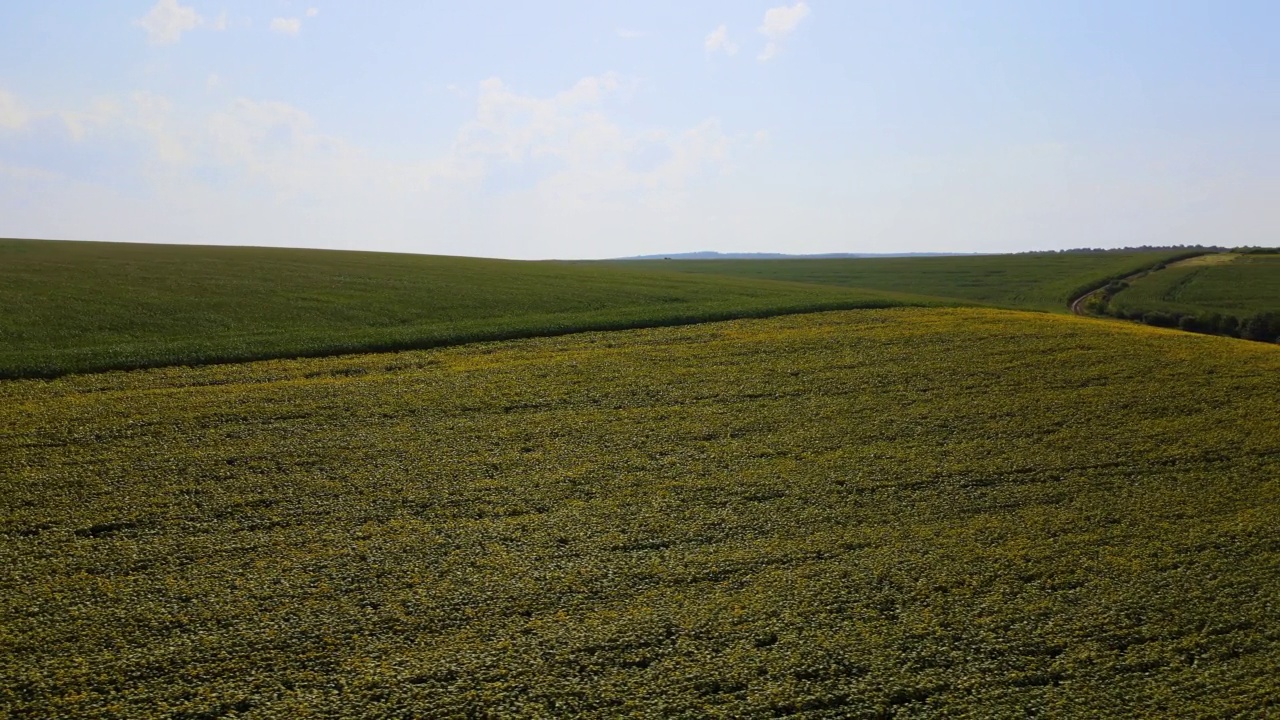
[(1114, 287), (1096, 305), (1191, 323), (1160, 319)]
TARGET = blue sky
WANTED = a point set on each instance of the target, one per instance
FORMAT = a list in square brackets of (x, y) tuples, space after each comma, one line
[(601, 129)]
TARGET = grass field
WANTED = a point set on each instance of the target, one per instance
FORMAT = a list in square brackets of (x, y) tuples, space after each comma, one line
[(1033, 281), (928, 512), (1238, 285), (75, 307)]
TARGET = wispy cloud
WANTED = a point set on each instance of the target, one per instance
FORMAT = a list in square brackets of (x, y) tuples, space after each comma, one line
[(167, 20), (630, 34), (718, 41), (568, 144), (13, 116), (585, 156), (286, 26), (562, 164), (292, 25), (778, 23)]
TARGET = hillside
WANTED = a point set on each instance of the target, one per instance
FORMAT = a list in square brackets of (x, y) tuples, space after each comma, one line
[(74, 307), (83, 307), (927, 512), (1032, 281), (1225, 291)]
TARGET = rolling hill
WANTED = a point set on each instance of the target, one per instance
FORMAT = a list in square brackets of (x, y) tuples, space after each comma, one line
[(84, 307), (79, 307), (1229, 283), (1031, 281)]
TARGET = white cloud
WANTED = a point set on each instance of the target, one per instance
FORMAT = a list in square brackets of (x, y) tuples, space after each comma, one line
[(286, 26), (221, 23), (278, 150), (166, 22), (152, 115), (559, 166), (268, 139), (693, 153), (213, 81), (584, 158), (626, 34), (778, 23), (13, 116), (103, 113), (514, 127), (718, 40), (312, 12)]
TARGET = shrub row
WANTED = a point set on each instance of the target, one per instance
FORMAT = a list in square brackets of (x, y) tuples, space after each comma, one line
[(1263, 326)]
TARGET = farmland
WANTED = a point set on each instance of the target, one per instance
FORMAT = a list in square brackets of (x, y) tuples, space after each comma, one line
[(1214, 293), (78, 307), (1031, 281), (86, 307), (1238, 285), (934, 512)]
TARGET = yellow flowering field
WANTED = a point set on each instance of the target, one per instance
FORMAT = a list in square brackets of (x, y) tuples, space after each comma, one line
[(924, 512)]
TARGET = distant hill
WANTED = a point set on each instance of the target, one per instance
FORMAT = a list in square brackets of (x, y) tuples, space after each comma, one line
[(712, 255)]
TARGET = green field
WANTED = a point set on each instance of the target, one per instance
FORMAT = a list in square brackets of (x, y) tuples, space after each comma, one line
[(75, 307), (1235, 286), (84, 307), (1032, 281), (920, 512)]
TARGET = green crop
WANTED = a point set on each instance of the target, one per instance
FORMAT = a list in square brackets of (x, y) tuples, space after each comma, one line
[(1240, 285), (924, 512), (81, 307), (1033, 281), (1235, 294), (85, 307)]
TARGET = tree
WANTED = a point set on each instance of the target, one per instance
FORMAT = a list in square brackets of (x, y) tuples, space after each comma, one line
[(1264, 326)]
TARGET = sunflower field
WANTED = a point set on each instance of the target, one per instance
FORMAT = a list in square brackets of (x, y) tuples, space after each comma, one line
[(872, 513)]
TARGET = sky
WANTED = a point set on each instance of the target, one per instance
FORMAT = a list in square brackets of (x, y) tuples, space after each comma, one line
[(605, 129)]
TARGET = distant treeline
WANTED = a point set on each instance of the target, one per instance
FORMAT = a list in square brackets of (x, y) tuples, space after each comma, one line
[(1192, 250)]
